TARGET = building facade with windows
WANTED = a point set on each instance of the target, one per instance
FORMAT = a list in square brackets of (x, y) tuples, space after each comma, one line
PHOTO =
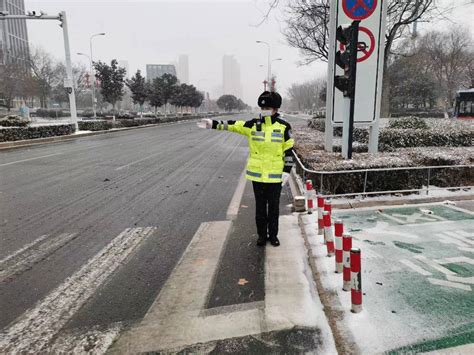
[(14, 45), (154, 71)]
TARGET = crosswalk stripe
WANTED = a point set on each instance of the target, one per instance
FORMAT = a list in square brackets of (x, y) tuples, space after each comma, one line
[(25, 258), (33, 331)]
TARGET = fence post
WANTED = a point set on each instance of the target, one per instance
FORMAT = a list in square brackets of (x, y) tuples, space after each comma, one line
[(365, 182), (428, 184)]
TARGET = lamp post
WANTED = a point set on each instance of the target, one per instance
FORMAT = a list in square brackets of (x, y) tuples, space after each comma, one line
[(62, 18), (94, 100), (91, 69), (269, 61)]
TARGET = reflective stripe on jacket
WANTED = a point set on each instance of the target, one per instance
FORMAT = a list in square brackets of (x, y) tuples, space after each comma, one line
[(270, 146)]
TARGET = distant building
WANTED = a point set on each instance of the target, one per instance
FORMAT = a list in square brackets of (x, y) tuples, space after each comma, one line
[(183, 68), (154, 71), (231, 84), (13, 34), (124, 64)]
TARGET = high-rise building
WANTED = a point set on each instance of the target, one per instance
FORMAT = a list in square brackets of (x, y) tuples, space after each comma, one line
[(154, 71), (231, 83), (13, 34), (183, 69), (124, 64)]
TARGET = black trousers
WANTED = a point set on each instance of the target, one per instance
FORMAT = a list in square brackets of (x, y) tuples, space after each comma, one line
[(267, 211)]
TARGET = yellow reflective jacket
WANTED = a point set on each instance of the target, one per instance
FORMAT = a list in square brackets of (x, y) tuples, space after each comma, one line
[(270, 143)]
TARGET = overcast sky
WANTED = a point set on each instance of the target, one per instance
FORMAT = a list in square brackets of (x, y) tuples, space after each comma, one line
[(156, 32)]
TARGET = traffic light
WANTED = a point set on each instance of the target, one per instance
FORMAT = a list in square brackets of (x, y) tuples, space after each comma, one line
[(348, 36)]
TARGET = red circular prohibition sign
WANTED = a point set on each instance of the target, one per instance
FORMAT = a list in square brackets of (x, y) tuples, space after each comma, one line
[(369, 49), (359, 9)]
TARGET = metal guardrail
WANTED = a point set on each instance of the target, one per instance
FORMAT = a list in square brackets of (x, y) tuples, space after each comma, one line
[(366, 172)]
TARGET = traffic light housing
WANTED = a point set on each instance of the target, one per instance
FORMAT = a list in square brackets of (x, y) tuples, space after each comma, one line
[(348, 36)]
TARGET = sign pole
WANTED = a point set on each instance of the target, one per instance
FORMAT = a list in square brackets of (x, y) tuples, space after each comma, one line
[(70, 77), (329, 130), (346, 112), (375, 128)]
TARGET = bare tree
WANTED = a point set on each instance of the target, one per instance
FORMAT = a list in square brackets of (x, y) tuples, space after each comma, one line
[(307, 95), (12, 83), (308, 20), (449, 56), (46, 74)]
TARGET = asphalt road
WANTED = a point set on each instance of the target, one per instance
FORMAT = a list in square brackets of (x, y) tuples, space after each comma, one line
[(74, 198), (171, 177)]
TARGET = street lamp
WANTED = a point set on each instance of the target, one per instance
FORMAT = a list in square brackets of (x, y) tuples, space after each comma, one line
[(93, 80), (269, 61), (92, 90)]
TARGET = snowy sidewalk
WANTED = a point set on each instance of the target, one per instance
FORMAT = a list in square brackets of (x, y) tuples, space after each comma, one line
[(417, 279)]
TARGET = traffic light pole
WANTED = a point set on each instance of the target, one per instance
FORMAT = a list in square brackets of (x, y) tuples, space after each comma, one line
[(69, 84), (348, 123)]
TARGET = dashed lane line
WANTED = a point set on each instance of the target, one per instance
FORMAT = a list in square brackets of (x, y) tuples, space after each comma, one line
[(35, 329), (29, 159)]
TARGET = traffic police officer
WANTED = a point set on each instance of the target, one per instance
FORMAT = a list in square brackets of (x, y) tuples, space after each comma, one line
[(269, 163)]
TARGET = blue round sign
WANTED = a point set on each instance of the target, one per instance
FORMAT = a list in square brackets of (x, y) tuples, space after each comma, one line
[(359, 9)]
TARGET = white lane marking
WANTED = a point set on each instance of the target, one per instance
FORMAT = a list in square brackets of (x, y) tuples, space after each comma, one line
[(137, 161), (392, 218), (30, 159), (457, 259), (447, 239), (465, 234), (95, 340), (416, 268), (234, 205), (449, 284), (25, 258), (182, 298), (460, 237), (22, 250), (435, 265), (464, 280), (470, 250), (34, 330)]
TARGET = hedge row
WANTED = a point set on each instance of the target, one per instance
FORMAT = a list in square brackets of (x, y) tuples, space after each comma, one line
[(22, 133), (13, 121), (408, 123)]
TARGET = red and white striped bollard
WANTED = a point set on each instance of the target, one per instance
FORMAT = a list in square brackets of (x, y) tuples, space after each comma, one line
[(328, 236), (320, 215), (356, 278), (338, 231), (346, 257), (309, 196)]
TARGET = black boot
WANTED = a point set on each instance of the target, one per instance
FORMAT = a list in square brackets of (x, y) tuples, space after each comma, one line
[(274, 241), (261, 241)]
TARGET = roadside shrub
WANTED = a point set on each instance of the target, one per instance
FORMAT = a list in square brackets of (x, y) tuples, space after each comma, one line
[(22, 133), (14, 121), (95, 125), (412, 122), (406, 138)]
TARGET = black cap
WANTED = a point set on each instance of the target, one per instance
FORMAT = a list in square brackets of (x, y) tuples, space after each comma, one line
[(269, 99)]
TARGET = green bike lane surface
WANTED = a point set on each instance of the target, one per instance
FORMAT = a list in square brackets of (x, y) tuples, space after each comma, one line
[(418, 277)]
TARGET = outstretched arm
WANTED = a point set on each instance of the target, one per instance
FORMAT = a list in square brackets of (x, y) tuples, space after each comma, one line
[(240, 127)]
